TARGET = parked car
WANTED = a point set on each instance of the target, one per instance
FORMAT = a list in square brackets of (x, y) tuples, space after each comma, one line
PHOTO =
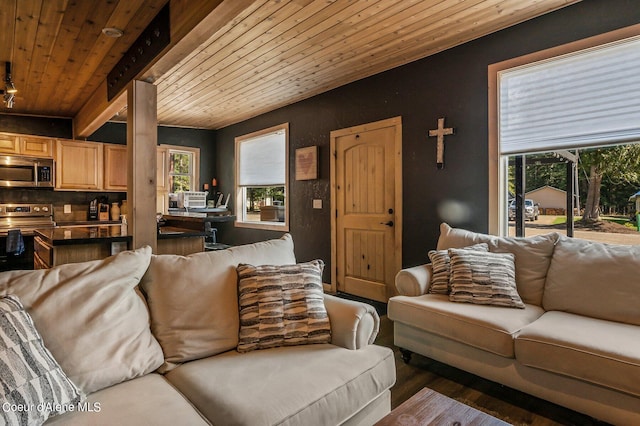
[(531, 210)]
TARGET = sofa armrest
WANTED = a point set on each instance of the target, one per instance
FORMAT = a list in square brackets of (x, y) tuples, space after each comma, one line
[(414, 281), (354, 325)]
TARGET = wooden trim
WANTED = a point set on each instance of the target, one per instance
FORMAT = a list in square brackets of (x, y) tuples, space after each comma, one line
[(497, 223), (196, 159), (142, 140), (192, 23)]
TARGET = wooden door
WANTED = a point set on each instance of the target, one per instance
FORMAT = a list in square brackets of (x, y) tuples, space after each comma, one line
[(366, 198)]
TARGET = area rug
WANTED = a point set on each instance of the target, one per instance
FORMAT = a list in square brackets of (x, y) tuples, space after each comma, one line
[(495, 414)]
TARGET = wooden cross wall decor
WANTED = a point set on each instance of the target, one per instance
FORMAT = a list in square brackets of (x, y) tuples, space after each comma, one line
[(440, 133)]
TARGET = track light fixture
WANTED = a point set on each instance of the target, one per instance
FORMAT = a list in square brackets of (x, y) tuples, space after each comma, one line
[(10, 90)]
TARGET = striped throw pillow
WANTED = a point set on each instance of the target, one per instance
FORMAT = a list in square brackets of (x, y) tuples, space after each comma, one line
[(33, 387), (484, 278), (441, 269), (281, 306)]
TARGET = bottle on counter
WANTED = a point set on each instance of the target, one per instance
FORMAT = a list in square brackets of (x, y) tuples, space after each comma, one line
[(123, 225), (115, 211)]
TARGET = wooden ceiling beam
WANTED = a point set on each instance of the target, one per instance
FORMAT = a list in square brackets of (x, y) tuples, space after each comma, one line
[(192, 23)]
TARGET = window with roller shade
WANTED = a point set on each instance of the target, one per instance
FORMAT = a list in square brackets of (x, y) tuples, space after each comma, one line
[(582, 99), (262, 179), (578, 98)]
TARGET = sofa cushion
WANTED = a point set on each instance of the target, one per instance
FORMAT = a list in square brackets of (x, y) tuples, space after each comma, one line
[(598, 351), (193, 300), (441, 267), (483, 278), (146, 400), (298, 385), (91, 317), (30, 377), (281, 305), (490, 328), (532, 254), (594, 279)]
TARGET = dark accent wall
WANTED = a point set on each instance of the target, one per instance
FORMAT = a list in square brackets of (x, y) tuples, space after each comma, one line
[(451, 84), (38, 126), (113, 132)]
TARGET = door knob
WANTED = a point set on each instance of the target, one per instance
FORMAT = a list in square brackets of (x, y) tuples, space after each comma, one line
[(390, 223)]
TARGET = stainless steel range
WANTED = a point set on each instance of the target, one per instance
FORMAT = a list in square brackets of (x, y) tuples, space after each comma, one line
[(26, 218)]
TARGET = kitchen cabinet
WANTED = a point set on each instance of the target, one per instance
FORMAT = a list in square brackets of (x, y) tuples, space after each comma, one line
[(115, 167), (79, 165), (37, 147), (9, 144), (32, 146)]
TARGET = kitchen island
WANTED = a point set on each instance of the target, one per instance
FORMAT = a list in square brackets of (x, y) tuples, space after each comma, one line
[(71, 244), (184, 241)]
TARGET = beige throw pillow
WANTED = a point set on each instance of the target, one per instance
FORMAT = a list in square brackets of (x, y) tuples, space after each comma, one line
[(281, 306), (484, 278), (533, 256), (194, 299), (91, 318), (440, 263), (594, 279)]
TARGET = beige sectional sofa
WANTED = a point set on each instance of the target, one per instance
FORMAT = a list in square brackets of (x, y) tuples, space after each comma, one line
[(152, 340), (576, 342)]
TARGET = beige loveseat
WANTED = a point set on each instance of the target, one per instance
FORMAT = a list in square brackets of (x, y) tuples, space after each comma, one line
[(576, 342), (151, 340)]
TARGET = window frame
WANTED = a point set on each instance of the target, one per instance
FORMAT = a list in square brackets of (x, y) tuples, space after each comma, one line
[(162, 187), (194, 172), (240, 222), (498, 167)]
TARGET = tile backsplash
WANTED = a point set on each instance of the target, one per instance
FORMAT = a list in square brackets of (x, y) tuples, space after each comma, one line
[(78, 200)]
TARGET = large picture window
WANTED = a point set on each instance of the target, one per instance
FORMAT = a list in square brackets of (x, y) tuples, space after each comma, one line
[(262, 179), (567, 100)]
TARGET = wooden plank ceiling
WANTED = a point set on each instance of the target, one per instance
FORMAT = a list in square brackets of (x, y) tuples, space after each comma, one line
[(271, 54)]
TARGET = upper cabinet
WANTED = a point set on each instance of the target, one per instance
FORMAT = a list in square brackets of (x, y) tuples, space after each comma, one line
[(79, 165), (9, 144), (32, 146), (115, 167), (37, 147)]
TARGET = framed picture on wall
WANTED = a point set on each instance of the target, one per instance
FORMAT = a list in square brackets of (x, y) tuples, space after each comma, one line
[(307, 163)]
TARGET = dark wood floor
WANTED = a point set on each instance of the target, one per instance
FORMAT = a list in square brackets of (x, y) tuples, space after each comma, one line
[(508, 404)]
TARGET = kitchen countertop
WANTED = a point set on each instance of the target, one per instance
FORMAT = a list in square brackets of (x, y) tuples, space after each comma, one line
[(168, 232), (88, 223), (68, 235)]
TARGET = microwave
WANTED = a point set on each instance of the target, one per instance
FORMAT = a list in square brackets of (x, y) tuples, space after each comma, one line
[(26, 172)]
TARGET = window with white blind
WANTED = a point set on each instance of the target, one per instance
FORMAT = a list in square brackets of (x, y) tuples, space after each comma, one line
[(571, 97), (581, 99), (262, 179)]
